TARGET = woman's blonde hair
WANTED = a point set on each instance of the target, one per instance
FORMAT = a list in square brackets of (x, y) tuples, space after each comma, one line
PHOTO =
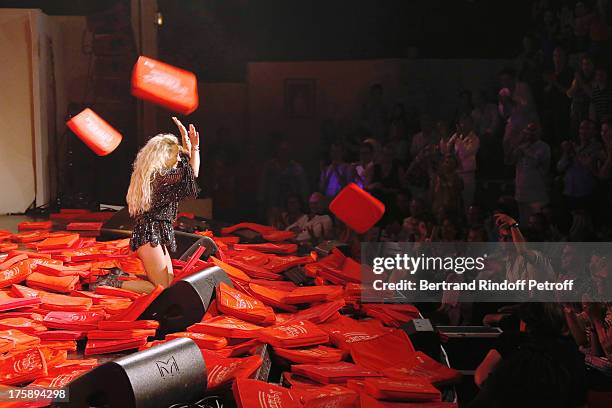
[(156, 157)]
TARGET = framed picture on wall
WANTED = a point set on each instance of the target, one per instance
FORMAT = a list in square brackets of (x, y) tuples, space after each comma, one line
[(300, 98)]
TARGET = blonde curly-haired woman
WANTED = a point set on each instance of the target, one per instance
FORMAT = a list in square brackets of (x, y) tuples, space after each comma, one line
[(164, 174)]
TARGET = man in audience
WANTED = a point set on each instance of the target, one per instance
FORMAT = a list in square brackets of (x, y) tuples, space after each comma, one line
[(531, 157), (336, 174), (314, 226), (579, 166), (465, 144)]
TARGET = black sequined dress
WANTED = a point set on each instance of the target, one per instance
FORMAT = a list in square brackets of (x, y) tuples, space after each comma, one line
[(155, 225)]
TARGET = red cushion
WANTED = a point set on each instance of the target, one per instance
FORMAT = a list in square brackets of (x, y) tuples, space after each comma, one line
[(95, 132), (357, 208), (165, 85)]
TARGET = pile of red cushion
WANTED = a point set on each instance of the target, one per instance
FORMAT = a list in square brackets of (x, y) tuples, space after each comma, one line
[(334, 351)]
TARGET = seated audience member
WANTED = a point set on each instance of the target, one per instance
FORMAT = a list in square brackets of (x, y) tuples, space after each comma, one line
[(293, 211), (591, 325), (363, 170), (314, 226), (537, 367), (531, 157), (336, 175)]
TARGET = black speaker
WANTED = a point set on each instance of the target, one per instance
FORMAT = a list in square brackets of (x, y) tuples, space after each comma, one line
[(210, 249), (166, 374), (467, 346), (120, 221), (186, 301), (423, 337)]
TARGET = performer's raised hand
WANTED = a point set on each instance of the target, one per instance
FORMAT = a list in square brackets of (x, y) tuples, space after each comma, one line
[(185, 142), (194, 138)]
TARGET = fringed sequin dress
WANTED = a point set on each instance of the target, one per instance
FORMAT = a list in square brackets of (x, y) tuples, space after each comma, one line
[(167, 189)]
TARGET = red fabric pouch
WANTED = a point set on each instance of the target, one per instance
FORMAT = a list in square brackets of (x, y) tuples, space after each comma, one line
[(95, 132), (16, 303), (25, 292), (416, 389), (34, 225), (313, 294), (84, 226), (62, 284), (58, 380), (20, 339), (54, 356), (57, 270), (16, 273), (118, 292), (425, 367), (10, 261), (53, 301), (254, 271), (320, 313), (222, 371), (233, 272), (23, 324), (235, 303), (119, 334), (327, 396), (77, 321), (277, 236), (262, 229), (297, 334), (319, 354), (127, 325), (61, 335), (225, 326), (23, 366), (165, 85), (8, 246), (272, 297), (73, 365), (333, 373), (279, 264), (239, 349), (269, 248), (138, 306), (383, 351), (204, 341), (258, 394), (357, 208), (112, 346), (58, 242), (344, 331), (30, 236)]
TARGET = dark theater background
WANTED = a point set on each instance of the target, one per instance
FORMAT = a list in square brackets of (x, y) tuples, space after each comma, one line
[(323, 125)]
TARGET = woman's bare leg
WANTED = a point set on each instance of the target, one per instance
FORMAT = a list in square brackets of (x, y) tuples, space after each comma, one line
[(155, 261), (138, 286), (169, 267)]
